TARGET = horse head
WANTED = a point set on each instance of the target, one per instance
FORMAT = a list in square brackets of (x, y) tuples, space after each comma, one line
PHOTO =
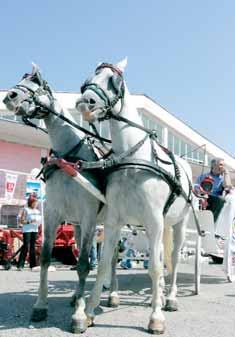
[(31, 97), (103, 93)]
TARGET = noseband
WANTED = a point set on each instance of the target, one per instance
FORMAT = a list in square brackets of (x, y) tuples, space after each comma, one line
[(109, 104)]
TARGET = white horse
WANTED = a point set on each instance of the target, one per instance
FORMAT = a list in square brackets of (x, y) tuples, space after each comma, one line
[(65, 198), (136, 194)]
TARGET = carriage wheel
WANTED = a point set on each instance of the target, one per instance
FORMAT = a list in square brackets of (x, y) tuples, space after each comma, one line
[(197, 274)]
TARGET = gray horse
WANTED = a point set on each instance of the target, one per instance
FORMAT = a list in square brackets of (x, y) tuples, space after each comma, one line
[(137, 195), (65, 198)]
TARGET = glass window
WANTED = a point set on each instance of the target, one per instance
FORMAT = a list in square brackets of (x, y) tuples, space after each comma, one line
[(170, 141), (155, 126), (8, 215), (160, 133), (8, 117), (145, 121), (183, 149), (201, 157), (189, 154), (176, 146)]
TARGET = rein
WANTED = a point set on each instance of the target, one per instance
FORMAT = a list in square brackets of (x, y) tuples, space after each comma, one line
[(29, 123), (35, 90), (39, 105), (76, 126), (119, 118)]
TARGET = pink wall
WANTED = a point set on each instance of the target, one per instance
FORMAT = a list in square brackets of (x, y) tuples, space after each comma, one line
[(19, 157)]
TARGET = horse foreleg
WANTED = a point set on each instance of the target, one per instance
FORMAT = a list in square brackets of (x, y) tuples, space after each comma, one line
[(113, 300), (79, 318), (111, 235), (178, 239), (157, 319), (40, 307), (78, 240)]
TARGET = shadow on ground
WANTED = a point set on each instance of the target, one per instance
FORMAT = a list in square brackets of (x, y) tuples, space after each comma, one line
[(135, 289)]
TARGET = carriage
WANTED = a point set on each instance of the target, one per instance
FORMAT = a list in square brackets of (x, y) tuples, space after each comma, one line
[(194, 245)]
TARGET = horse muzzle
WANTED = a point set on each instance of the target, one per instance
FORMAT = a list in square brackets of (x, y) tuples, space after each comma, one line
[(9, 103), (88, 116)]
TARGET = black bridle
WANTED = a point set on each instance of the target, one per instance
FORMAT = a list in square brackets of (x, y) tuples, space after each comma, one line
[(40, 110), (108, 103)]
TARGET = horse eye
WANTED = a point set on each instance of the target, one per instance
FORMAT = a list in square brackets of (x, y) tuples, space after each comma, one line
[(92, 101), (12, 95)]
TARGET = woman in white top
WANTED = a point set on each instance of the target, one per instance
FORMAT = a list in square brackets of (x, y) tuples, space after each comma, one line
[(30, 219)]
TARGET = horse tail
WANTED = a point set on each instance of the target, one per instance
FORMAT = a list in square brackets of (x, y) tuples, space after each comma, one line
[(168, 247)]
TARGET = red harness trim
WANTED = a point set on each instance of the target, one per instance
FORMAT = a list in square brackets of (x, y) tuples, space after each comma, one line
[(111, 66), (70, 168)]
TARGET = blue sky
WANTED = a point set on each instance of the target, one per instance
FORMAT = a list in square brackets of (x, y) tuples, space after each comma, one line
[(180, 53)]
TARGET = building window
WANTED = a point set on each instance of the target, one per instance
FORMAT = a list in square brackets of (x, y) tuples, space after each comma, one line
[(8, 215), (151, 124), (176, 146), (183, 148), (145, 121), (170, 142), (189, 153), (201, 157)]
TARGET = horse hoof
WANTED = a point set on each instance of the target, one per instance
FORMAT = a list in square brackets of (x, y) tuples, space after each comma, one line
[(171, 305), (156, 327), (79, 326), (113, 301), (39, 314), (90, 321)]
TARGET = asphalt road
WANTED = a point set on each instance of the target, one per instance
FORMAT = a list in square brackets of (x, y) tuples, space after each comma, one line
[(211, 314)]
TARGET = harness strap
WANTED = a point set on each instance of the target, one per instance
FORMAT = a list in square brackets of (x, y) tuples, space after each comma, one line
[(129, 122), (29, 123), (168, 178), (97, 134), (66, 155), (75, 125), (144, 164), (112, 162)]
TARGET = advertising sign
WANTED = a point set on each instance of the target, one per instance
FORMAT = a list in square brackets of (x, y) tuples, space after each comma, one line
[(34, 186), (10, 185)]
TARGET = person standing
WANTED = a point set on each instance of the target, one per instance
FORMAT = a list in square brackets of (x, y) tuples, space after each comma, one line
[(30, 219)]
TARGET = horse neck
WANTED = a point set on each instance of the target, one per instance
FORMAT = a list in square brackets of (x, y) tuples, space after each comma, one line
[(124, 136), (63, 136)]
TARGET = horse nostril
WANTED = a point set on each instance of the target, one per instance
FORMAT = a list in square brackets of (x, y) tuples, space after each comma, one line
[(92, 101), (12, 95)]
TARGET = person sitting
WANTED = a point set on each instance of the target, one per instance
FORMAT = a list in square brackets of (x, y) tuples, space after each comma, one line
[(220, 183)]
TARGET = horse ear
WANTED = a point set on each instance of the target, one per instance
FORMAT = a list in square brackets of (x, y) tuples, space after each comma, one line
[(35, 69), (122, 64), (36, 74)]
